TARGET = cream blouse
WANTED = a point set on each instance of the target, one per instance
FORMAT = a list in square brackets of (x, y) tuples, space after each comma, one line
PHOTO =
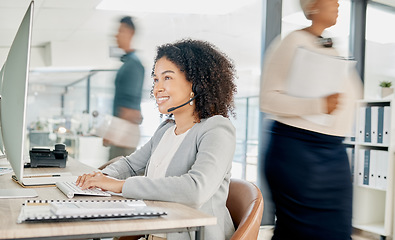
[(289, 109)]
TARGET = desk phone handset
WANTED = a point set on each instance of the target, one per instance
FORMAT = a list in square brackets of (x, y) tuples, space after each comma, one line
[(44, 157)]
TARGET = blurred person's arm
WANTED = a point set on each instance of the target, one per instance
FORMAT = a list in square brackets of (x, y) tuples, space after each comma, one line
[(131, 115), (331, 102), (107, 142), (273, 98)]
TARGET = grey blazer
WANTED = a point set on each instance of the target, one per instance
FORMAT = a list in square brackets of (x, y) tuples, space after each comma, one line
[(198, 174)]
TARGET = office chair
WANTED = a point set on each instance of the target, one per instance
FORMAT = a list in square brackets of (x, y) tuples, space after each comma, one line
[(245, 204)]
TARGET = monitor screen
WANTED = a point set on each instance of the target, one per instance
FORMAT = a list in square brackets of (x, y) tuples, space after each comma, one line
[(1, 76), (2, 155), (14, 94)]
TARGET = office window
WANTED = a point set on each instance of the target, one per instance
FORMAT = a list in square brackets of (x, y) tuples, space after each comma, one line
[(246, 124), (380, 48)]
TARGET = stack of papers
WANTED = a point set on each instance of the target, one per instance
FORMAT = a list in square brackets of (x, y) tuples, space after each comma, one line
[(315, 75), (120, 132)]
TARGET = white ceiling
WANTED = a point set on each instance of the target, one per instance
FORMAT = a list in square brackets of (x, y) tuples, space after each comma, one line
[(238, 33), (390, 3)]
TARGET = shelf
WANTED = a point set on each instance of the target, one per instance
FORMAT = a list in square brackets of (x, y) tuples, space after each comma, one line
[(371, 144), (349, 142), (372, 206), (377, 228), (375, 101), (371, 188)]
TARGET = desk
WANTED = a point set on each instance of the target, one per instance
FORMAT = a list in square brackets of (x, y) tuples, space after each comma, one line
[(179, 218)]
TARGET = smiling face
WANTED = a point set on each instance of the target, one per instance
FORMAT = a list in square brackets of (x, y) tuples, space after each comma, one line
[(171, 88)]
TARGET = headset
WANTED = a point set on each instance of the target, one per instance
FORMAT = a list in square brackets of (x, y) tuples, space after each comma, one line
[(196, 90)]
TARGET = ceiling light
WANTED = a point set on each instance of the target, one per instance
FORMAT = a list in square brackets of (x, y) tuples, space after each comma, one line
[(208, 7)]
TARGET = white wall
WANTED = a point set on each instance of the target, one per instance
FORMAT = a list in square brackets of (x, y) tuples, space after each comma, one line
[(69, 55), (379, 66)]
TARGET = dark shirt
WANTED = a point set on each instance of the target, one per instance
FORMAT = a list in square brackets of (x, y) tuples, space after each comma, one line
[(128, 83)]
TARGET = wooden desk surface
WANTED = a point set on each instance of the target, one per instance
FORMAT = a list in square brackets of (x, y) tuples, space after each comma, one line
[(179, 216)]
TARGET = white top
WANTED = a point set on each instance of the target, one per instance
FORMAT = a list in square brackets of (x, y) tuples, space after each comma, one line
[(164, 153), (291, 110)]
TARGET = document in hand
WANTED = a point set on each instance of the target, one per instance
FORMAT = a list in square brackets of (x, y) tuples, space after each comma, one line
[(314, 75), (120, 132)]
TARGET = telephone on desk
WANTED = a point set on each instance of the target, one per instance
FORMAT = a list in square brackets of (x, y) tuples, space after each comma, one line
[(44, 157)]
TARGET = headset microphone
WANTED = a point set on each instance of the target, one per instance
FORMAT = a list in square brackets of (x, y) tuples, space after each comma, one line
[(174, 108)]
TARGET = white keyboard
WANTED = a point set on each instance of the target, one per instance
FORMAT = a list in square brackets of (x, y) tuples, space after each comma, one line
[(70, 189)]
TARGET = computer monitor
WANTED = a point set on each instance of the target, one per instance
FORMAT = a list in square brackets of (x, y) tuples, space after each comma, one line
[(14, 94), (13, 91), (14, 100)]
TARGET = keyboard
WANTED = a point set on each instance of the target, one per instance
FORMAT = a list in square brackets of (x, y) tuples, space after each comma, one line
[(70, 189)]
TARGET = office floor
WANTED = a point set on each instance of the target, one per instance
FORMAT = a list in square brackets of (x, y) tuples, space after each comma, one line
[(266, 232)]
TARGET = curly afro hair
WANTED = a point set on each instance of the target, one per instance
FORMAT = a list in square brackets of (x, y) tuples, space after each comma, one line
[(209, 70)]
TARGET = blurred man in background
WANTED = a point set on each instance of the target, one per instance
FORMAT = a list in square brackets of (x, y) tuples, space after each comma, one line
[(128, 85)]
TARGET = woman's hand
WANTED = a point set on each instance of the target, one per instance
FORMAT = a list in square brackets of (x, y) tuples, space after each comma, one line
[(106, 142), (99, 180), (331, 102)]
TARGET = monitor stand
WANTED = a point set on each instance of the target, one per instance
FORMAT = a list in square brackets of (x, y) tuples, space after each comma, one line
[(13, 192)]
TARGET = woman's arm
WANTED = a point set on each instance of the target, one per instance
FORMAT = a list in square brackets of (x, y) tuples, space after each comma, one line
[(112, 177), (273, 97), (215, 149), (132, 165)]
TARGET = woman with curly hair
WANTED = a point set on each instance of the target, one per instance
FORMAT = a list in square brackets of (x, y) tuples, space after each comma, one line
[(189, 158)]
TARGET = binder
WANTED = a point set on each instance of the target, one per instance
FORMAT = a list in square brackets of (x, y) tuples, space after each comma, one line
[(387, 125), (361, 126), (380, 122), (349, 152), (353, 175), (385, 169), (351, 156), (382, 166), (374, 124), (368, 120), (366, 167), (373, 168), (77, 210), (360, 166)]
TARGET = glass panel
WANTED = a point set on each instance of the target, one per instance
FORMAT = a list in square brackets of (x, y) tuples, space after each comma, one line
[(253, 130), (380, 49), (102, 92), (251, 173), (237, 170), (240, 124), (246, 124)]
